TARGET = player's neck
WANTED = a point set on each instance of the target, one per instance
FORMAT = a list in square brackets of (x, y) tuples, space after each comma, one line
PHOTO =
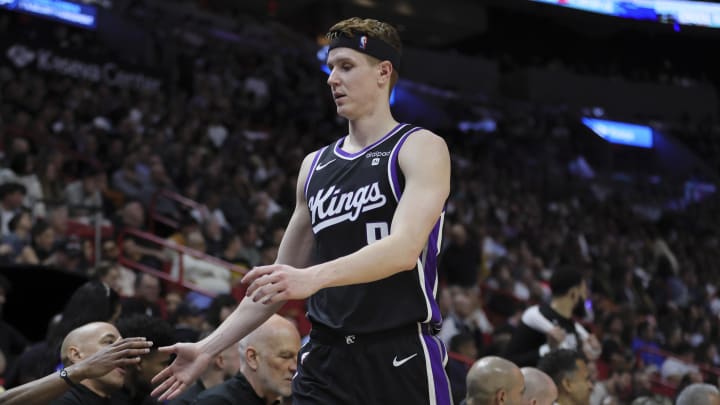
[(366, 130)]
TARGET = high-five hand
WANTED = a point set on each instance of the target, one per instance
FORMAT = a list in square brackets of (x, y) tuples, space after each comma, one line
[(189, 363)]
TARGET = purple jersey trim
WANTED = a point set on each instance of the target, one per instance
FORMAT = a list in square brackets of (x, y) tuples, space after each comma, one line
[(347, 155), (312, 169), (394, 165)]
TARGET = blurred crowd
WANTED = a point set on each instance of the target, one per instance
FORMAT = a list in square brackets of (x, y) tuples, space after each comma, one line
[(230, 136)]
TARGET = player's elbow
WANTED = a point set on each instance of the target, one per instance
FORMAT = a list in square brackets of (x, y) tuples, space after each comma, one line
[(407, 257)]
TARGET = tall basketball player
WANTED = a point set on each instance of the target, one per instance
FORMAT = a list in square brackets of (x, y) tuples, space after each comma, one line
[(362, 245)]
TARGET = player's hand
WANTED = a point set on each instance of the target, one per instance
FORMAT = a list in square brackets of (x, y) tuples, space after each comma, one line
[(122, 353), (279, 282), (189, 363)]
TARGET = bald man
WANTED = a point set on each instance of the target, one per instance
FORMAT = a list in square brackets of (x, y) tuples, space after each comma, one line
[(494, 381), (79, 344), (540, 389), (699, 394), (269, 361)]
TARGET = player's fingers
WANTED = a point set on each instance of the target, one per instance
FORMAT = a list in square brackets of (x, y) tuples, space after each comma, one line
[(174, 391), (256, 273), (168, 349), (126, 361), (262, 282), (133, 352), (280, 296), (166, 376)]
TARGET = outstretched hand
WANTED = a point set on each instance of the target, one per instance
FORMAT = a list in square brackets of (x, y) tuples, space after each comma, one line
[(189, 363), (122, 353), (279, 282)]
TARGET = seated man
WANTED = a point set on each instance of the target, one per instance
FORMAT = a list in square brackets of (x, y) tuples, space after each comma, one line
[(80, 344), (269, 361), (494, 381)]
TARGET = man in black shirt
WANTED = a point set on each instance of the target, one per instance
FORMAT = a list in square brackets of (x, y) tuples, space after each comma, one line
[(79, 344), (548, 326), (268, 365)]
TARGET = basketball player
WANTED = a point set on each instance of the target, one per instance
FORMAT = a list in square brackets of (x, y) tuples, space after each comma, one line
[(362, 244)]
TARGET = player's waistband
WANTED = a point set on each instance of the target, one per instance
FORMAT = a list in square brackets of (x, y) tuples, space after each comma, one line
[(333, 337)]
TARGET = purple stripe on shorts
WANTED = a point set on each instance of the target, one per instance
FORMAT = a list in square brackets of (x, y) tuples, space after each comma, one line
[(440, 379)]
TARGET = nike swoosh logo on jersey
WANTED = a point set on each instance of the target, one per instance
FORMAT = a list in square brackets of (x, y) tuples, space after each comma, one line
[(322, 166), (398, 363)]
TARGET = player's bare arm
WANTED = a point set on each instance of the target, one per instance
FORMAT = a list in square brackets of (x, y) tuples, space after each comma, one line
[(193, 358)]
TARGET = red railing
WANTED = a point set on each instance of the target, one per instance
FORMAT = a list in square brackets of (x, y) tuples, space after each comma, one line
[(180, 250), (156, 216)]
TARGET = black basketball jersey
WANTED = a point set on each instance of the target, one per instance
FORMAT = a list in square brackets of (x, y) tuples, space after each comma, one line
[(352, 198)]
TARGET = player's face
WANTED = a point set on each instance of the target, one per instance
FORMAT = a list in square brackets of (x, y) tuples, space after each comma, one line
[(278, 363), (353, 82)]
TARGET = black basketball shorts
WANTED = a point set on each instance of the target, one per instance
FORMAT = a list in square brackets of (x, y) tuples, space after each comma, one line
[(397, 367)]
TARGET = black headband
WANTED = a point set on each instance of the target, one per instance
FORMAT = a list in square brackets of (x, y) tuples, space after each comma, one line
[(364, 43)]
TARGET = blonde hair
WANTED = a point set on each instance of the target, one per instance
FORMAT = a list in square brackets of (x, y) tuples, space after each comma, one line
[(374, 29)]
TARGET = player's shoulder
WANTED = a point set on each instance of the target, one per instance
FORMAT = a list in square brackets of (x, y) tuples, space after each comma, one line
[(421, 139), (424, 135)]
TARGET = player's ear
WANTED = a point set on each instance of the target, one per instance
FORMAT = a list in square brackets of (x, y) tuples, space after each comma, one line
[(384, 69)]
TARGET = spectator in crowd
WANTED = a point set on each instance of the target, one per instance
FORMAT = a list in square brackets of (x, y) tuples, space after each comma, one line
[(548, 326), (569, 371), (699, 394), (268, 363), (15, 247), (674, 368), (616, 387), (220, 308), (146, 298), (188, 321), (463, 354), (645, 345), (138, 386), (223, 367), (206, 275), (43, 243), (466, 316), (460, 260), (78, 345), (494, 381), (540, 389), (11, 199)]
